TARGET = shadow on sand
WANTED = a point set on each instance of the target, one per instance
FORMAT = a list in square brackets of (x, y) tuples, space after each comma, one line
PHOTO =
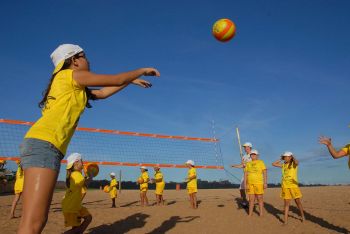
[(134, 221), (323, 223), (171, 223), (129, 204)]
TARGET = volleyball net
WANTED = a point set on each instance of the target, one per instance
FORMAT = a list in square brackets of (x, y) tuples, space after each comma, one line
[(121, 148)]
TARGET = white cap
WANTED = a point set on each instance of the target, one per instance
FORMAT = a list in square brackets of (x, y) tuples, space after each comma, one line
[(190, 162), (143, 167), (254, 152), (248, 144), (74, 157), (287, 153), (63, 52), (112, 174)]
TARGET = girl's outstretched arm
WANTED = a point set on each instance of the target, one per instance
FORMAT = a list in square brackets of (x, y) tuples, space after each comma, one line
[(87, 78), (277, 163), (328, 142), (106, 92), (238, 165)]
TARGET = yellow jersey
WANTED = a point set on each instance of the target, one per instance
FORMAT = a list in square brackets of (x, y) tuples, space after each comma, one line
[(71, 202), (65, 103), (113, 186), (346, 149), (255, 170), (19, 180), (289, 176), (145, 177), (193, 182), (159, 175)]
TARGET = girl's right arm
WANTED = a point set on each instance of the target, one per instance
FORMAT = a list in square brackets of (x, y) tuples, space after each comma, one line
[(328, 142), (277, 163), (87, 78), (238, 165)]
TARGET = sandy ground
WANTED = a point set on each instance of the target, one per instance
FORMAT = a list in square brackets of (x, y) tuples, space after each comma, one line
[(327, 211)]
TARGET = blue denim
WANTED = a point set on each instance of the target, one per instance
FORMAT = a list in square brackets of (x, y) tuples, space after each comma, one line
[(39, 153)]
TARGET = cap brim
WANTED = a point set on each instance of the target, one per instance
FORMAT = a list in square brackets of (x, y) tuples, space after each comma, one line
[(58, 67), (69, 166)]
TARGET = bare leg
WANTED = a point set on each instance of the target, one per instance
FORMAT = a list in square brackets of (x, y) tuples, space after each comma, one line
[(39, 184), (141, 198), (14, 204), (190, 195), (85, 223), (286, 210), (261, 204), (194, 195), (161, 199), (244, 197), (113, 203), (251, 204), (146, 198), (298, 202)]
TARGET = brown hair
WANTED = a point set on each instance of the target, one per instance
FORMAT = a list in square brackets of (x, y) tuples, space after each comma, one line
[(69, 172)]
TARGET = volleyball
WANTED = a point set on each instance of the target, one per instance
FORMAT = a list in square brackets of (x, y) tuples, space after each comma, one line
[(106, 189), (140, 180), (224, 30), (91, 169)]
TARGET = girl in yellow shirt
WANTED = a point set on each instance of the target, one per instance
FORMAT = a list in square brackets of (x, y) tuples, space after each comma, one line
[(46, 142), (72, 208), (113, 189), (18, 188), (255, 177), (160, 184), (290, 189), (143, 182), (191, 180)]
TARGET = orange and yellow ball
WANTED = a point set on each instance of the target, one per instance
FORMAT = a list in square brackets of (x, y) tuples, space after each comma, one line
[(224, 30), (91, 169)]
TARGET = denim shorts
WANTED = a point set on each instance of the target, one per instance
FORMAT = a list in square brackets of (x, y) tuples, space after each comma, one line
[(39, 153)]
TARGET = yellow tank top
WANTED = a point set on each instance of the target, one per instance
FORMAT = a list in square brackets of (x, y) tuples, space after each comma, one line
[(192, 183), (159, 175), (289, 176), (65, 103)]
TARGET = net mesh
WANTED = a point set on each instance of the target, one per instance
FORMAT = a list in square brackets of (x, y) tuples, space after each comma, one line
[(111, 147)]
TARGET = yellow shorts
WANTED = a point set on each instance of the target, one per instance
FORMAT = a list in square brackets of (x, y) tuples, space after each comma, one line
[(255, 189), (74, 219), (143, 189), (113, 194), (191, 190), (159, 189), (290, 193), (18, 191), (83, 190)]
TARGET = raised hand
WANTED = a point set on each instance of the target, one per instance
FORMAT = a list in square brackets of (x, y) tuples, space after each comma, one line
[(142, 83), (325, 140), (151, 72)]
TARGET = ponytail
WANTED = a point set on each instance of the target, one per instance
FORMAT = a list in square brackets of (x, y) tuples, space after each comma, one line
[(69, 172)]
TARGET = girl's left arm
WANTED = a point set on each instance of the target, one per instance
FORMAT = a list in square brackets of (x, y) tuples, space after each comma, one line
[(265, 178), (106, 92)]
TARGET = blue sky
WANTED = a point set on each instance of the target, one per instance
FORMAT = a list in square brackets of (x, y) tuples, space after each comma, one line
[(283, 79)]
